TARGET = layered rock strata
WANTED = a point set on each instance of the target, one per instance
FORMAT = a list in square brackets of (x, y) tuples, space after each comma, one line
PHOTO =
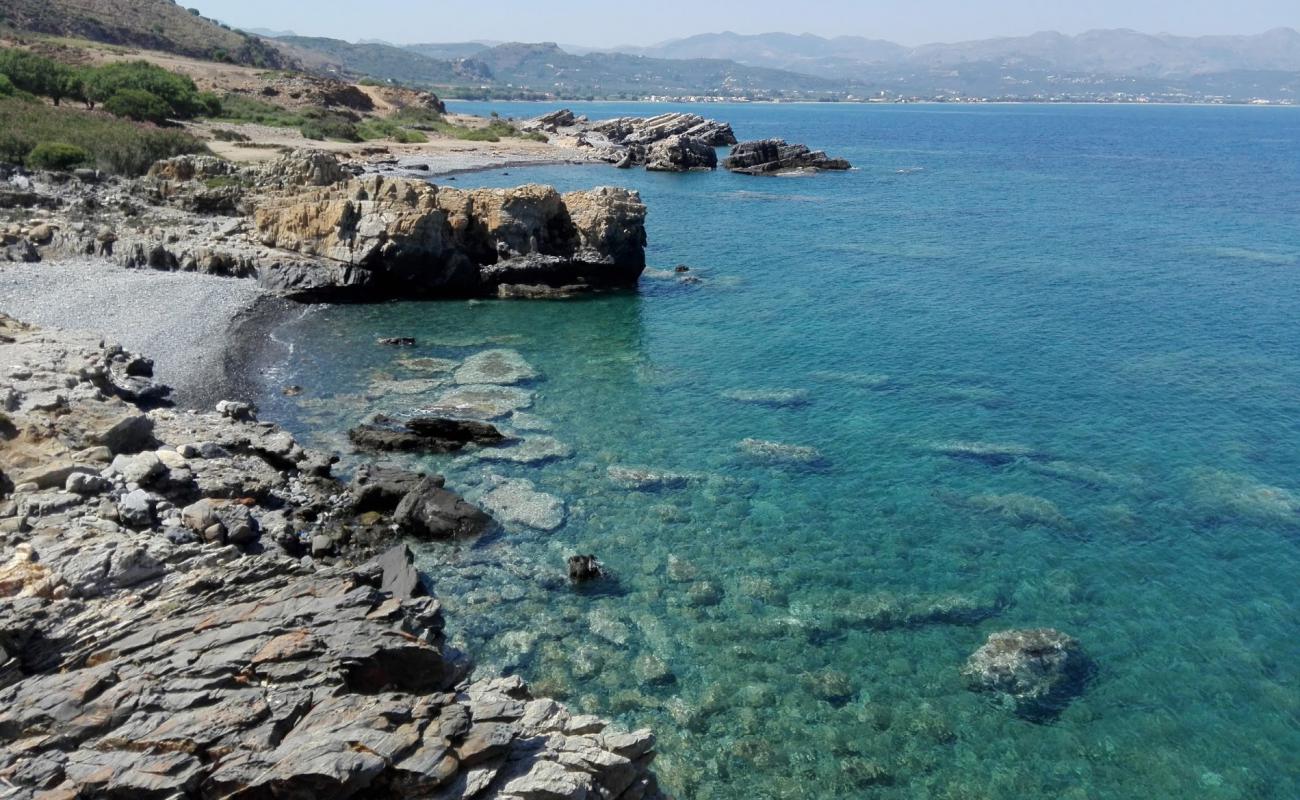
[(180, 615), (306, 228), (672, 142), (775, 156)]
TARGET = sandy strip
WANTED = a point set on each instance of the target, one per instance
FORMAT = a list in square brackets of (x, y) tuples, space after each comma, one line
[(181, 320)]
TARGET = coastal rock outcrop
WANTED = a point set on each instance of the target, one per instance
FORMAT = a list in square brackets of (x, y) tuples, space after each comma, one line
[(423, 434), (681, 154), (774, 156), (400, 237), (1036, 671), (163, 636), (646, 131)]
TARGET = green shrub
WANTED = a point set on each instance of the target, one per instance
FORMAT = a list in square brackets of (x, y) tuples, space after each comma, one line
[(242, 108), (388, 129), (178, 92), (7, 87), (320, 125), (57, 155), (37, 74), (417, 117), (139, 105), (115, 145)]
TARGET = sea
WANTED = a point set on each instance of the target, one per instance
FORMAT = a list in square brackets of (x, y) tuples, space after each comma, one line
[(1026, 366)]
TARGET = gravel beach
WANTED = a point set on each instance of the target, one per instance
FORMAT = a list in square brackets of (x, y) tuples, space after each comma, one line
[(180, 320)]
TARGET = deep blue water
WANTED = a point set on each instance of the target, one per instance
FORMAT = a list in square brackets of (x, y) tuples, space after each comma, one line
[(1109, 296)]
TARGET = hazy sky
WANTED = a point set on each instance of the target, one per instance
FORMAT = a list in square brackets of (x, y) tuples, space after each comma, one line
[(616, 22)]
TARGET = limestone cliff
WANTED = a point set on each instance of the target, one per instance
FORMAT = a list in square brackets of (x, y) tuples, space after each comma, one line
[(400, 237)]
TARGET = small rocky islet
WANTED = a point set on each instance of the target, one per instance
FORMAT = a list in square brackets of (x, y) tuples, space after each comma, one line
[(172, 523)]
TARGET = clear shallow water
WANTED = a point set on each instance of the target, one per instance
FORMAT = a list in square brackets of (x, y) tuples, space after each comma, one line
[(1115, 291)]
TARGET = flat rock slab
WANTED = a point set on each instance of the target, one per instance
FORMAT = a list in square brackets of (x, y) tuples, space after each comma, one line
[(518, 501), (482, 401), (499, 367), (777, 398), (533, 450)]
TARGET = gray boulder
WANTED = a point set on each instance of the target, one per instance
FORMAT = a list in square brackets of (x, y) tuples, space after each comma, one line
[(431, 511)]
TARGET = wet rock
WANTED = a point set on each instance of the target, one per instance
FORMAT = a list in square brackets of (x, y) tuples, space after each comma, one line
[(994, 454), (237, 410), (532, 450), (431, 511), (423, 434), (774, 156), (647, 479), (1036, 671), (397, 341), (1022, 509), (585, 568)]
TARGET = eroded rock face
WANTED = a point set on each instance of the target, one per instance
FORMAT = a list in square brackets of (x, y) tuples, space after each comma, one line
[(646, 131), (681, 154), (401, 237), (162, 637), (1036, 671), (774, 156)]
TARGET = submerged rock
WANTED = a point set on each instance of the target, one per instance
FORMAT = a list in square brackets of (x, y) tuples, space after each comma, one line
[(496, 367), (995, 454), (533, 450), (1037, 671), (778, 453), (1022, 509), (646, 478), (774, 156), (482, 401), (777, 398), (518, 501)]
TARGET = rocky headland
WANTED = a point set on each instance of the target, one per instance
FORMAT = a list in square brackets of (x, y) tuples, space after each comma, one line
[(775, 157), (192, 605)]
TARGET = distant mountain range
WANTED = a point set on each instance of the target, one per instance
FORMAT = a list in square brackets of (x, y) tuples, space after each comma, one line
[(1109, 52), (1107, 64)]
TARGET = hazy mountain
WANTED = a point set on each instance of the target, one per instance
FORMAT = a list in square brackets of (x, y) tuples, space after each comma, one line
[(384, 61), (1106, 52)]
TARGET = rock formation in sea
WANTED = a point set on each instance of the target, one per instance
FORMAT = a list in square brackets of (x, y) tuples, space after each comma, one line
[(774, 156), (306, 228), (187, 610), (672, 142), (1036, 671)]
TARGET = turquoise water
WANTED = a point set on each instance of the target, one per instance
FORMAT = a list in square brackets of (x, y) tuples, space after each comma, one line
[(1109, 298)]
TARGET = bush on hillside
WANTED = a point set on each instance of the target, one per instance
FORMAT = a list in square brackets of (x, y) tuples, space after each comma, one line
[(57, 156), (38, 75), (180, 94), (139, 105), (7, 87), (113, 144)]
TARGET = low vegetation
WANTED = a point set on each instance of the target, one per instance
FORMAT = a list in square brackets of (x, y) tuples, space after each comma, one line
[(38, 135), (424, 119), (137, 90)]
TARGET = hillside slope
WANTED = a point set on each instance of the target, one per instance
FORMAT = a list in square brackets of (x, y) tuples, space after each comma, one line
[(151, 24)]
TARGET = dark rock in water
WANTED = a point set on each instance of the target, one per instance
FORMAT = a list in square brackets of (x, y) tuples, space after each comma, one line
[(1037, 671), (423, 434), (563, 118), (584, 568), (397, 341), (379, 488), (465, 431), (681, 268), (293, 390), (432, 511), (772, 156), (681, 154)]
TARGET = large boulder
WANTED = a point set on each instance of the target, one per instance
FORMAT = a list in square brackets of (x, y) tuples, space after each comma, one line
[(681, 154), (423, 434), (409, 237), (1035, 671), (774, 156)]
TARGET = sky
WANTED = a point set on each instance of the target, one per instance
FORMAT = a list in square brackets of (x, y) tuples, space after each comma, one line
[(607, 23)]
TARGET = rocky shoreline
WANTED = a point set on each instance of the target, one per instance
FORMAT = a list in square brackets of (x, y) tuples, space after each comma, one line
[(187, 610)]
